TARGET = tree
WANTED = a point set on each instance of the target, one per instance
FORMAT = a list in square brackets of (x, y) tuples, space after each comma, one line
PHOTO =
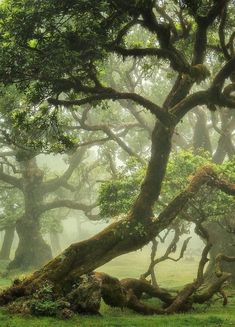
[(215, 136), (10, 212), (73, 41)]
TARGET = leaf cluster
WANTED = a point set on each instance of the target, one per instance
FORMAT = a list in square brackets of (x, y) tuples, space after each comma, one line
[(117, 196)]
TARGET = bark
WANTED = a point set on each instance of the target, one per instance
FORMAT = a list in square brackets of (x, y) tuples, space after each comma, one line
[(140, 226), (85, 292), (151, 186), (7, 243)]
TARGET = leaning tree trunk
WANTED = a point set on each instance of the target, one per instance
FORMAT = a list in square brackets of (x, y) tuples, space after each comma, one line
[(138, 228), (7, 243), (119, 238), (65, 272)]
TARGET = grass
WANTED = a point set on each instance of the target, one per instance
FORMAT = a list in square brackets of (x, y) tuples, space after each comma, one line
[(214, 316), (170, 274)]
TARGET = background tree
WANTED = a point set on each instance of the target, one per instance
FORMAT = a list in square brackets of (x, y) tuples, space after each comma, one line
[(11, 210)]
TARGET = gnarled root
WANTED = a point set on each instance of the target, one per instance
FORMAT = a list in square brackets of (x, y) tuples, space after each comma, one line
[(84, 296)]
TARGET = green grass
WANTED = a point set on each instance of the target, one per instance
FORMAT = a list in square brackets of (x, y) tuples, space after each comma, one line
[(170, 274), (214, 316)]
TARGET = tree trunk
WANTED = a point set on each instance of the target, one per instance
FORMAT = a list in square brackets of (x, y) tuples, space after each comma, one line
[(223, 242), (55, 242), (225, 245), (7, 243), (139, 227), (32, 250), (201, 138), (119, 238), (221, 150)]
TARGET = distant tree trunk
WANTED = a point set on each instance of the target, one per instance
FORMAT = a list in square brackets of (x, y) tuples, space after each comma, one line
[(32, 250), (201, 138), (224, 144), (223, 242), (55, 242), (7, 243)]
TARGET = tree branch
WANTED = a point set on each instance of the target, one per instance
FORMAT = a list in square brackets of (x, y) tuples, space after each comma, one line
[(54, 184), (11, 180), (67, 204), (109, 93)]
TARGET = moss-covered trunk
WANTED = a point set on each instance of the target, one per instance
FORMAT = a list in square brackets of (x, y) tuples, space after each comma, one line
[(124, 236), (138, 228)]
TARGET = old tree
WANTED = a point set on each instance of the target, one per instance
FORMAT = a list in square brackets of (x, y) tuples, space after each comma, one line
[(58, 52)]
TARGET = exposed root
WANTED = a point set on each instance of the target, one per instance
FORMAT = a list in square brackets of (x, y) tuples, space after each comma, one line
[(86, 293)]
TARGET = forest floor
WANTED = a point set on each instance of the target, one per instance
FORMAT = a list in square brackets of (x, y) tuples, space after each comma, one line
[(171, 275)]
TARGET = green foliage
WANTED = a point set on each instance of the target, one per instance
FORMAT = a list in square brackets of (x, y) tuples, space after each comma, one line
[(113, 196), (36, 127), (44, 42), (42, 127), (44, 308), (117, 196), (43, 303)]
